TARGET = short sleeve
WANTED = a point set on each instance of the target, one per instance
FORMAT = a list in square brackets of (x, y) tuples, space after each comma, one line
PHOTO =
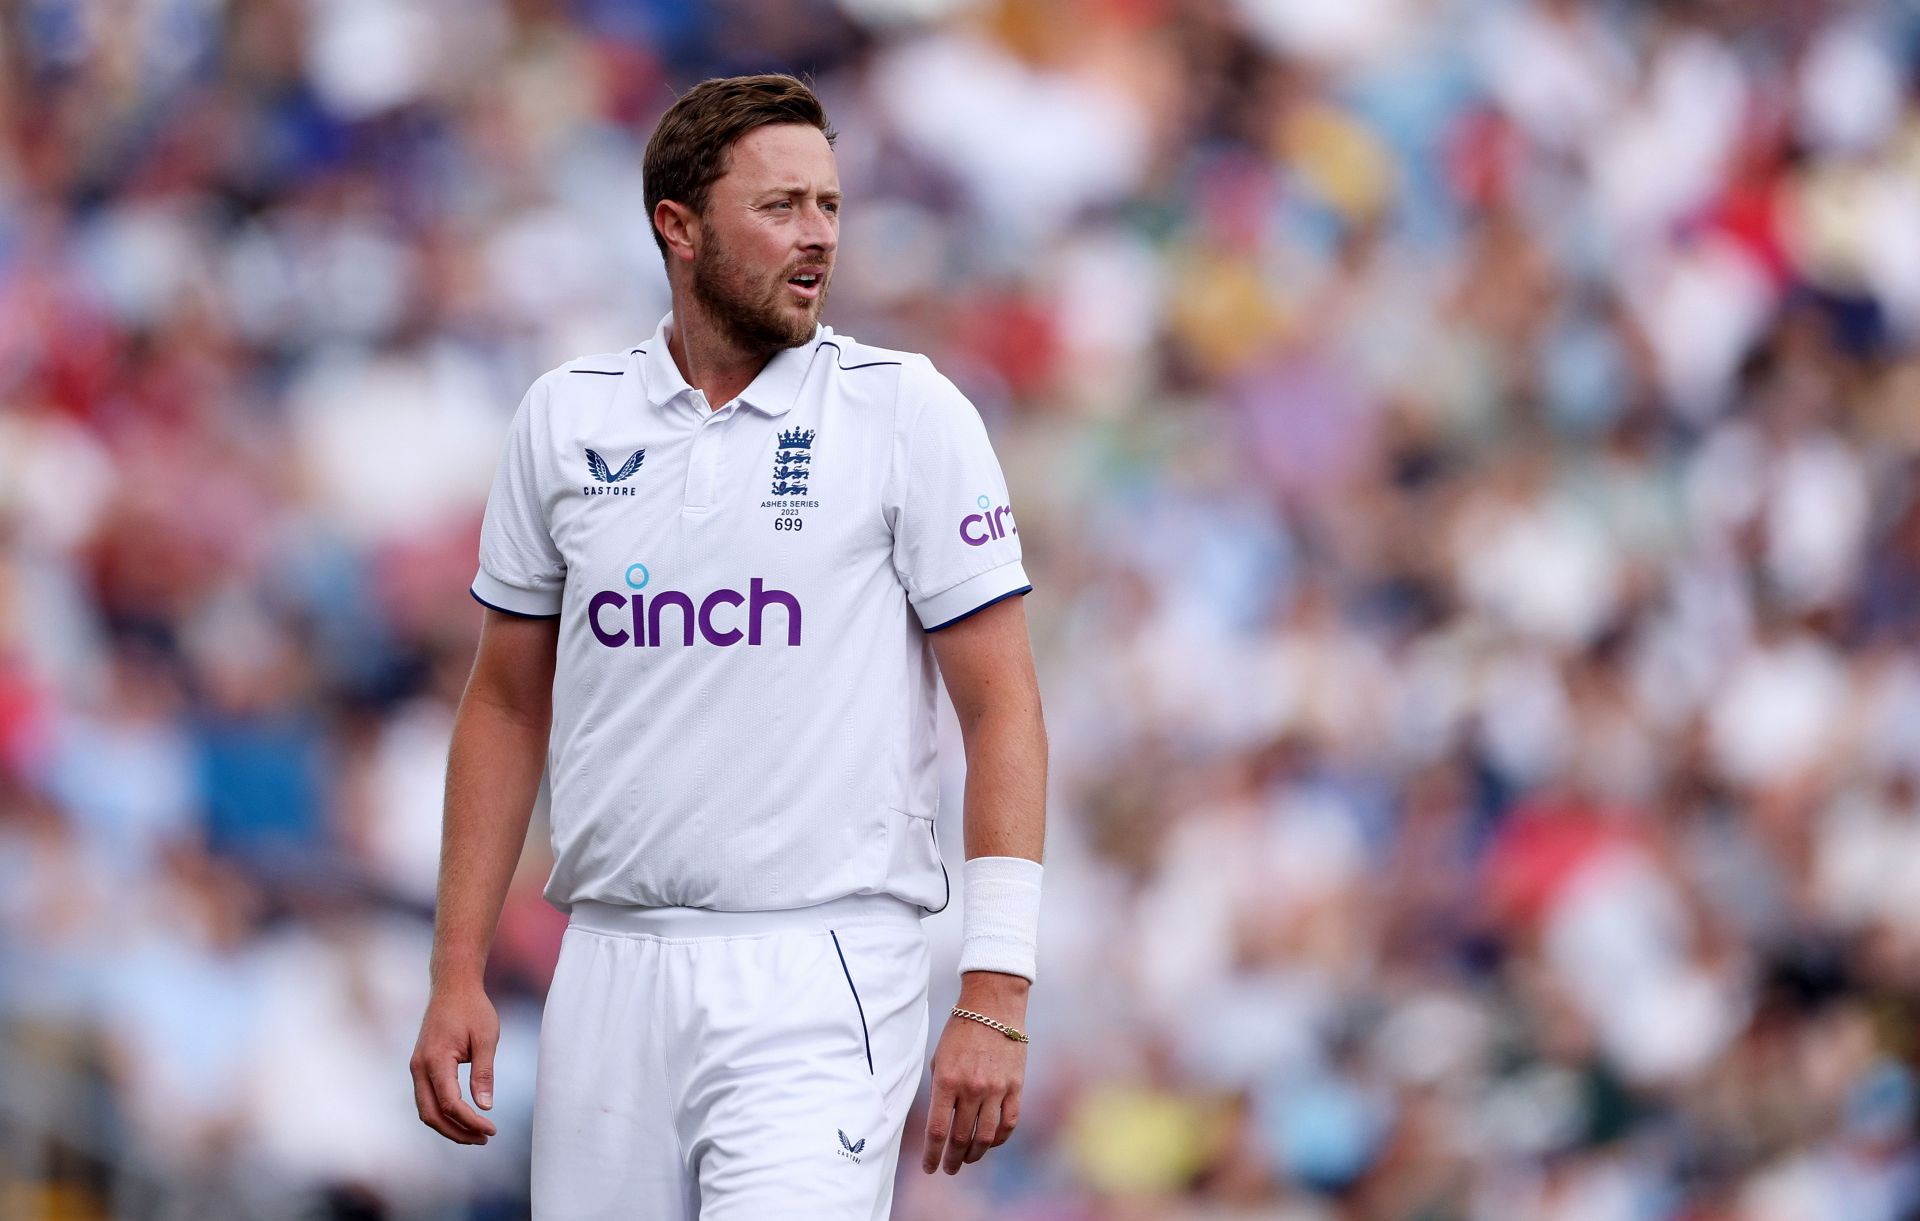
[(956, 545), (521, 571)]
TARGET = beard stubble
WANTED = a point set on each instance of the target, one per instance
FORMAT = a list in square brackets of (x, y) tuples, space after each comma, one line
[(754, 319)]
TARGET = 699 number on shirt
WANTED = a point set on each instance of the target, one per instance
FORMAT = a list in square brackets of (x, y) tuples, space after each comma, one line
[(788, 523)]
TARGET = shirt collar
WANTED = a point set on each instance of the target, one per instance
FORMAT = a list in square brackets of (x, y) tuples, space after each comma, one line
[(771, 392)]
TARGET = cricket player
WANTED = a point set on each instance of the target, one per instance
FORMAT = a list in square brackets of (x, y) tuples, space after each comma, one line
[(719, 569)]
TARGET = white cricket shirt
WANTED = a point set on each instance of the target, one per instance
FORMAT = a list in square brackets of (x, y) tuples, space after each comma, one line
[(743, 700)]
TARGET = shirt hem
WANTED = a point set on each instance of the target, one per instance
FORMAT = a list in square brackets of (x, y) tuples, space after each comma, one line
[(1011, 593), (973, 594), (491, 591)]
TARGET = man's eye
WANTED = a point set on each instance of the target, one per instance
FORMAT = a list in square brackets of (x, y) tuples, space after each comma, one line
[(832, 207)]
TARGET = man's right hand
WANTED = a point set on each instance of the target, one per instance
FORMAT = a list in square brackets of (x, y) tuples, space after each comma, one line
[(460, 1027)]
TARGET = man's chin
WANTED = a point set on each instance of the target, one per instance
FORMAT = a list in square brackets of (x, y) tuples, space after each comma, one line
[(795, 322)]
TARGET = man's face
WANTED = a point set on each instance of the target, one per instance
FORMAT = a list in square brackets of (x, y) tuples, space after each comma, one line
[(771, 220)]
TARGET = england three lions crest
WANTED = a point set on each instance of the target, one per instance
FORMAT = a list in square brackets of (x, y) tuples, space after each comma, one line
[(792, 459)]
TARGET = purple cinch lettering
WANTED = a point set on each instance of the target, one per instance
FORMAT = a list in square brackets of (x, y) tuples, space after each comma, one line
[(759, 599), (670, 597), (606, 597), (731, 635)]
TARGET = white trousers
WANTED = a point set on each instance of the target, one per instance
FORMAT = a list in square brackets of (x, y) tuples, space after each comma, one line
[(702, 1065)]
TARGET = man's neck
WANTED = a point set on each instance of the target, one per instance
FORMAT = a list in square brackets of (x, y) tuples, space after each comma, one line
[(711, 360)]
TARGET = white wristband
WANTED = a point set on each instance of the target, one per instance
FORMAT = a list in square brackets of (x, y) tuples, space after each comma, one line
[(999, 915)]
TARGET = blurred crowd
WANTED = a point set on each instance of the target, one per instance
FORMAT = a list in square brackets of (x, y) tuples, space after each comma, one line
[(1468, 456)]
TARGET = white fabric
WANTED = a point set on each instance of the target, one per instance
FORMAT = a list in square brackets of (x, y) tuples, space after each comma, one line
[(999, 914), (772, 743), (715, 1064)]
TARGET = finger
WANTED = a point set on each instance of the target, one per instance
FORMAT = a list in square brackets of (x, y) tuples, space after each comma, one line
[(444, 1077), (983, 1130), (481, 1078), (1009, 1116), (939, 1124), (965, 1112), (430, 1115)]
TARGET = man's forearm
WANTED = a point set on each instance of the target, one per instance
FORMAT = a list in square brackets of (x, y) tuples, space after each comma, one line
[(1005, 815), (1006, 794), (493, 776)]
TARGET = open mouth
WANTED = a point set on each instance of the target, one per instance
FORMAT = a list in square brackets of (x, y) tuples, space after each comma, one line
[(807, 284)]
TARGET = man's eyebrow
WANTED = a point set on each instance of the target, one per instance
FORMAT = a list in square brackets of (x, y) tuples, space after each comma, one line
[(797, 189)]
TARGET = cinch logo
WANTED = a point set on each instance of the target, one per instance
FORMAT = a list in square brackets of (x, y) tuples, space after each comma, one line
[(988, 524), (642, 626)]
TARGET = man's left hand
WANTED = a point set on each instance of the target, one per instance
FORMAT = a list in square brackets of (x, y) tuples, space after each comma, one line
[(977, 1073)]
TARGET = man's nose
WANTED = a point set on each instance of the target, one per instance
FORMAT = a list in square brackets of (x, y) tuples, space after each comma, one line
[(821, 232)]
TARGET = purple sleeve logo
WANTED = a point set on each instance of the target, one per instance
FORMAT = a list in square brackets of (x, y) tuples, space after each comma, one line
[(991, 522)]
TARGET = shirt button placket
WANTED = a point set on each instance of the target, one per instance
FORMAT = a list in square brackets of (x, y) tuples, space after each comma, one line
[(704, 462)]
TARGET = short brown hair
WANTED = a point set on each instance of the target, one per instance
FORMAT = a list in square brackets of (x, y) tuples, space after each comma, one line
[(689, 149)]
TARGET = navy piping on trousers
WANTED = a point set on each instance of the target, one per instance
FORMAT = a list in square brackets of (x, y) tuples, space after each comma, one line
[(864, 1037)]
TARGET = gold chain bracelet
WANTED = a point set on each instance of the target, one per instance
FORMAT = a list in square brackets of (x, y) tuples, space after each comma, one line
[(1002, 1027)]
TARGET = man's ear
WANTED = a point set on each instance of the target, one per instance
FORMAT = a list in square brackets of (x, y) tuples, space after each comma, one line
[(678, 224)]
